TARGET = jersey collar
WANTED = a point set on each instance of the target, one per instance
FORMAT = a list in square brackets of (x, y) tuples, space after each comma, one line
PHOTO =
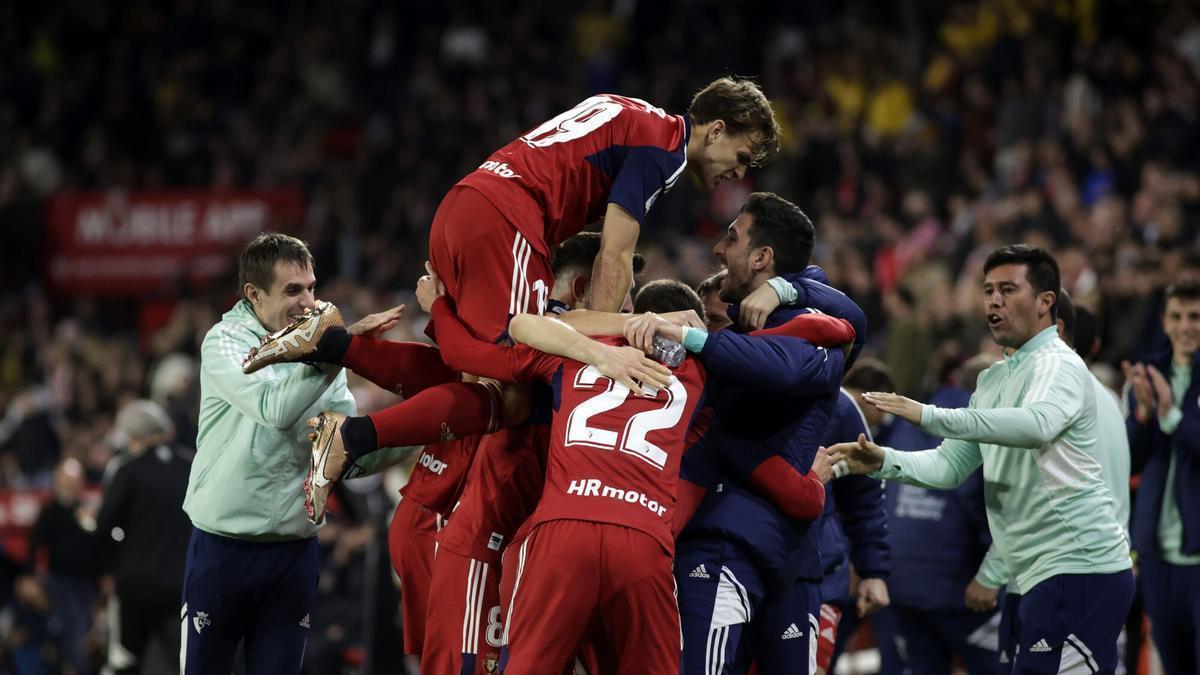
[(1031, 345)]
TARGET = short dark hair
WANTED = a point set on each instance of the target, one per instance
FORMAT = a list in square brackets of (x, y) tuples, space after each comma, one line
[(741, 104), (711, 284), (668, 295), (1041, 269), (1067, 314), (580, 251), (781, 225), (1184, 289), (257, 262), (869, 374)]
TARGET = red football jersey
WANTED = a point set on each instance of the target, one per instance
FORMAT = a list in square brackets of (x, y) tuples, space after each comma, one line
[(502, 489), (614, 456), (437, 477), (606, 149)]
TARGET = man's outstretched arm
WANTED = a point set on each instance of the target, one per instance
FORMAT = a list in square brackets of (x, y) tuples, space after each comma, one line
[(612, 274), (769, 363), (544, 342)]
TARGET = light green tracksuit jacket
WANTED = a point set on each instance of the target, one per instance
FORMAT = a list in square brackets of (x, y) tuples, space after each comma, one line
[(251, 450), (1032, 424)]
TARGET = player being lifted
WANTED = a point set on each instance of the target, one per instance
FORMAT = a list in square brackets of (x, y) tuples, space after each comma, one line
[(609, 158)]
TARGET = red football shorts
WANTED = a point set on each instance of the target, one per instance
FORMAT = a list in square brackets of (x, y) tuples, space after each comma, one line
[(490, 270), (462, 627), (411, 542), (594, 654), (578, 580)]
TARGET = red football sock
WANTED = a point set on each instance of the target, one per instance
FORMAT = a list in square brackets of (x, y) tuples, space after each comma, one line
[(454, 410), (405, 368)]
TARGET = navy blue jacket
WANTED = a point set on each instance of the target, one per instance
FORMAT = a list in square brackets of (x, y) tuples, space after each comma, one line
[(939, 537), (854, 525), (1151, 450), (814, 294), (752, 423)]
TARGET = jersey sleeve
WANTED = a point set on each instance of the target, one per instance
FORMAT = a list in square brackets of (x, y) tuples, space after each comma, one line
[(993, 571), (819, 329), (798, 495), (274, 397), (1052, 403), (771, 363), (465, 353), (646, 163), (941, 468)]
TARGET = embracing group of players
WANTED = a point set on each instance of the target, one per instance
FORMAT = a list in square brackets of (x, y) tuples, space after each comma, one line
[(577, 501)]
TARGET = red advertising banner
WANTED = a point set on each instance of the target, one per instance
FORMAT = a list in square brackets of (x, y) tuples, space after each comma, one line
[(132, 243)]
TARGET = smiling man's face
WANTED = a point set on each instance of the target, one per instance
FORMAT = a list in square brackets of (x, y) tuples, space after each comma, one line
[(723, 157), (1181, 323), (292, 292)]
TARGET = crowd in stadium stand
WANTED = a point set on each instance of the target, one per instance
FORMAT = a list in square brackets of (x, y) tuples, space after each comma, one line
[(918, 137)]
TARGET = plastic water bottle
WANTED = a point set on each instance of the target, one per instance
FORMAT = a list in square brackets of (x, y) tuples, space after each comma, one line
[(668, 352)]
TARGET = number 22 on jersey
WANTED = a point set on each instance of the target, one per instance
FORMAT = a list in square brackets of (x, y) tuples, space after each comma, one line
[(631, 439)]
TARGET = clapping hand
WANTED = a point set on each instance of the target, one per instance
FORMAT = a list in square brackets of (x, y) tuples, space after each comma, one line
[(1151, 391)]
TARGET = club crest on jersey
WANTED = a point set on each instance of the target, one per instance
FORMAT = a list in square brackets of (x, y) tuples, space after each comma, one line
[(200, 621), (499, 168)]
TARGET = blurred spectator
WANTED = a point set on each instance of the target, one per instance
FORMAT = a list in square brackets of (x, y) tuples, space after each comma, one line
[(1002, 120), (29, 637), (1071, 125), (1164, 433), (62, 539), (143, 533), (909, 345)]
